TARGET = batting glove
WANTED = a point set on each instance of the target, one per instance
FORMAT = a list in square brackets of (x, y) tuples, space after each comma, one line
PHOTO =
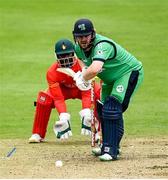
[(82, 84), (62, 128), (86, 121)]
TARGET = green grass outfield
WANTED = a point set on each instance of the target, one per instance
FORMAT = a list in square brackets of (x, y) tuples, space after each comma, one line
[(28, 31)]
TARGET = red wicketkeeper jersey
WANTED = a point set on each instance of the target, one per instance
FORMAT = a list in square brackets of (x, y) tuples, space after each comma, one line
[(62, 87)]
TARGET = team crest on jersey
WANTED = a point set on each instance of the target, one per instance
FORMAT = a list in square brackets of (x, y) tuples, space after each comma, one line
[(120, 88), (82, 27)]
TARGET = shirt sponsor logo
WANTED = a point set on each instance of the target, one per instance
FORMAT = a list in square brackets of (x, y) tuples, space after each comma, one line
[(120, 88), (100, 45)]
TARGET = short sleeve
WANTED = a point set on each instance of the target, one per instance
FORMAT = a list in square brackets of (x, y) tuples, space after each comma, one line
[(103, 51)]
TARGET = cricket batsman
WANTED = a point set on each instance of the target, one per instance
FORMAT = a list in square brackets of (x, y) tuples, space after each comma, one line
[(121, 74), (62, 87)]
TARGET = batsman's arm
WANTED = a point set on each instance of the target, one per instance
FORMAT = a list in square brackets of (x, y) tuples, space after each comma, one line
[(93, 70)]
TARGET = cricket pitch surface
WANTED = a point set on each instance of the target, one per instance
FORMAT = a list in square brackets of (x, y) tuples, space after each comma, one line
[(140, 158)]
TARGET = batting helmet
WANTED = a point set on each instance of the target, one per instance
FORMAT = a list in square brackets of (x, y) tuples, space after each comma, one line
[(64, 46), (64, 50), (83, 27)]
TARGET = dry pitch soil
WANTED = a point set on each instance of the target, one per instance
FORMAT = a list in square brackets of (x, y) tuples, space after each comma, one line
[(140, 158)]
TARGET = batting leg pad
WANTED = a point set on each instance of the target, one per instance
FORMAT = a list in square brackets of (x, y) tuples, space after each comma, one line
[(42, 114), (112, 126)]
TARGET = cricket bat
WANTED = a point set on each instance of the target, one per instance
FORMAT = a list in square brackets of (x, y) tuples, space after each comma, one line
[(93, 128)]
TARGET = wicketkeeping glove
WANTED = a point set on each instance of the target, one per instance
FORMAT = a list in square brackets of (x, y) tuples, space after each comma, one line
[(62, 128), (81, 83), (86, 121)]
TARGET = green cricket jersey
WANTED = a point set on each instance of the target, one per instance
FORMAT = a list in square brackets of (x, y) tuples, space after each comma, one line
[(117, 60)]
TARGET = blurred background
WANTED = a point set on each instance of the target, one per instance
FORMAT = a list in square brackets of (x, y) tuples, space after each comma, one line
[(28, 32)]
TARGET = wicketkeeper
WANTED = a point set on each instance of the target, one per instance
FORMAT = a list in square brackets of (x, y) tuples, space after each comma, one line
[(62, 87)]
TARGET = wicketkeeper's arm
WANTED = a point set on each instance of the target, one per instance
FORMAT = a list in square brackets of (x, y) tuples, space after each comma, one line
[(57, 95)]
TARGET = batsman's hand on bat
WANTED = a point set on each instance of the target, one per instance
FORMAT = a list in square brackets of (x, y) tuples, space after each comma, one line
[(62, 128), (86, 121), (82, 84)]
